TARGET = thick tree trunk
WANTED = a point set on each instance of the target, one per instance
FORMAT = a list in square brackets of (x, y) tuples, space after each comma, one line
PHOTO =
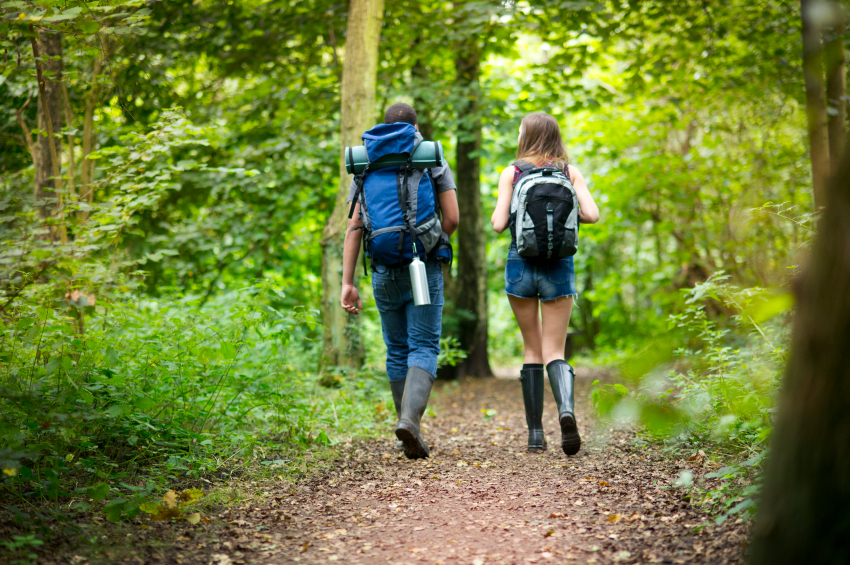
[(48, 48), (815, 100), (836, 88), (804, 515), (342, 345), (470, 286)]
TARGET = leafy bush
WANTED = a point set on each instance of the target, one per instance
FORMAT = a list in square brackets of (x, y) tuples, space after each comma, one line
[(166, 388), (710, 386)]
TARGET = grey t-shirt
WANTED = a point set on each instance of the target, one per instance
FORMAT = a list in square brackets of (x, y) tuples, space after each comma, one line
[(440, 176)]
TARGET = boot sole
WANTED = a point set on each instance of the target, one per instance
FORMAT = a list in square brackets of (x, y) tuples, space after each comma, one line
[(570, 440), (413, 446)]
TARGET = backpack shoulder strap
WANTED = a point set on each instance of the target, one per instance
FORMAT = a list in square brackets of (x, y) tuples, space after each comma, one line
[(437, 208), (359, 179), (522, 168)]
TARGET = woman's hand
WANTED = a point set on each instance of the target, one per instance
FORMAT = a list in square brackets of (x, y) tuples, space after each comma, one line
[(502, 214)]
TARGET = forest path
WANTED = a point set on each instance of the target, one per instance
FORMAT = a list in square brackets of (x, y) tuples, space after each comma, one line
[(480, 499)]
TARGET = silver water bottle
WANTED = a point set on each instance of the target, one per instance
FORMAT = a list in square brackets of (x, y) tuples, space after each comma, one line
[(419, 281)]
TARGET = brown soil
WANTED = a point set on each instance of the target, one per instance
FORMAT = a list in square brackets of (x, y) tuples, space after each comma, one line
[(479, 499)]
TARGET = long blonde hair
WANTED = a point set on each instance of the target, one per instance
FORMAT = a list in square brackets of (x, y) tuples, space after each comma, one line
[(540, 141)]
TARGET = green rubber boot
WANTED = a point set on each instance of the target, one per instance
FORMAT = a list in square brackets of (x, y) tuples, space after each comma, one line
[(417, 389), (397, 387)]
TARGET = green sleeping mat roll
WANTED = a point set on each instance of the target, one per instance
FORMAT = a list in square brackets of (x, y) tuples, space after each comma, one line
[(427, 154)]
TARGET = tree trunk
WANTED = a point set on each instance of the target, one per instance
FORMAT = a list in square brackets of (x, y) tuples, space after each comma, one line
[(815, 101), (48, 48), (470, 285), (589, 324), (420, 104), (836, 88), (87, 171), (342, 345), (804, 516)]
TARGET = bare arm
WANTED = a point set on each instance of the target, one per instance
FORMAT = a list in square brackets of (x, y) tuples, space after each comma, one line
[(350, 298), (502, 214), (588, 211), (451, 214)]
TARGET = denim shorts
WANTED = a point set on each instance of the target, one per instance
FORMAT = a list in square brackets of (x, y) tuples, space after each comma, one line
[(546, 280)]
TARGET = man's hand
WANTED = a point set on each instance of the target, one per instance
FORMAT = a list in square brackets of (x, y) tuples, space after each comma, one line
[(350, 297)]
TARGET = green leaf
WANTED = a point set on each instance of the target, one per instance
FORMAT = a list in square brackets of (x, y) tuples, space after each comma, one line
[(115, 411), (114, 509), (86, 396), (111, 356), (227, 350), (98, 492), (89, 27), (52, 365), (763, 311), (144, 403), (323, 438)]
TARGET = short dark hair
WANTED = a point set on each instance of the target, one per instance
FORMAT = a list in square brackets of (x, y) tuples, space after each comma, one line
[(400, 113)]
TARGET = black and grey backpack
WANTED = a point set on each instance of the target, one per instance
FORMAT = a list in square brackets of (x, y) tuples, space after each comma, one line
[(544, 213)]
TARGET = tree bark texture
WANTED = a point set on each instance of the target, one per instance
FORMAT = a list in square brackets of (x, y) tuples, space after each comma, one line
[(804, 516), (836, 88), (342, 345), (470, 285), (815, 101), (48, 48)]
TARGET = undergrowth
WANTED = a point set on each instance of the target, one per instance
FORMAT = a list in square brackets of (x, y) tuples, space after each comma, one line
[(707, 391), (154, 394)]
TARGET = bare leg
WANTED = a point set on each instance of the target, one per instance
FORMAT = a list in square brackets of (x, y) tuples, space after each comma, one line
[(531, 378), (526, 314), (556, 322)]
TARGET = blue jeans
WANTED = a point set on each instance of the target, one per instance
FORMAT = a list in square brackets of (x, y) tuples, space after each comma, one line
[(412, 333)]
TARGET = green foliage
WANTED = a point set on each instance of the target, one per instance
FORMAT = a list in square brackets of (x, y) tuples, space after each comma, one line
[(450, 352), (716, 393), (163, 387), (160, 323), (20, 549)]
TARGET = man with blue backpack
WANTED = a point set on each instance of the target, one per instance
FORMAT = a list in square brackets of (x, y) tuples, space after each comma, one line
[(404, 208)]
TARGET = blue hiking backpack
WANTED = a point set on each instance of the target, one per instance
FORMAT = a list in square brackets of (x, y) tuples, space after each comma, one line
[(398, 203)]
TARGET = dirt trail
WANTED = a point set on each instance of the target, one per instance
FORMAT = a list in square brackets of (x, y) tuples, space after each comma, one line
[(480, 499)]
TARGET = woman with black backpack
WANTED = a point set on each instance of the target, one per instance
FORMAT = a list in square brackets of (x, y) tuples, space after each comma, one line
[(542, 199)]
